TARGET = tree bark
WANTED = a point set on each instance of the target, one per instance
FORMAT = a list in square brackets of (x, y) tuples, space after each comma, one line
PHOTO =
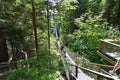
[(48, 23), (118, 14), (107, 10), (34, 25)]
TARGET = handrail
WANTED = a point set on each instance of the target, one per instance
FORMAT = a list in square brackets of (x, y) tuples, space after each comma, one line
[(111, 40), (111, 60), (110, 43), (99, 75), (94, 72), (63, 61), (101, 65)]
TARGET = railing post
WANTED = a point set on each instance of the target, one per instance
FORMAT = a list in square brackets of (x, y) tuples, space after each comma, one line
[(76, 71), (98, 76), (100, 46)]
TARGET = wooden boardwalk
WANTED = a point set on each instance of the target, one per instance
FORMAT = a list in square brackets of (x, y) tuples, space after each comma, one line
[(79, 72), (109, 50)]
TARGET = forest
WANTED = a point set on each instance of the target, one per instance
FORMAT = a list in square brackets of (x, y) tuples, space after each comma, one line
[(28, 29)]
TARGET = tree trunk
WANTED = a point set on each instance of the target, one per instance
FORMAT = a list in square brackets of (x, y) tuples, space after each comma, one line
[(118, 14), (34, 25), (48, 23), (3, 49), (107, 10)]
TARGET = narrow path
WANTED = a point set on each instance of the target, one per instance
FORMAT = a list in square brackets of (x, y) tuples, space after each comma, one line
[(71, 67), (80, 75)]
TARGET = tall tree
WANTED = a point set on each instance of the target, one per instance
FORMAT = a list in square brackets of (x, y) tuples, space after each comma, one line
[(34, 25), (118, 14), (48, 24), (108, 9)]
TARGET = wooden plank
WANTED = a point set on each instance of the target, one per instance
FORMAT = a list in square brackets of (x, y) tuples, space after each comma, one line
[(101, 65), (104, 41), (100, 46), (106, 58), (111, 40)]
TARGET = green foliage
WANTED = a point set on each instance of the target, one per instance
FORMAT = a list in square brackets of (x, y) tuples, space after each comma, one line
[(95, 6), (16, 19), (39, 68), (68, 25), (85, 40), (90, 27)]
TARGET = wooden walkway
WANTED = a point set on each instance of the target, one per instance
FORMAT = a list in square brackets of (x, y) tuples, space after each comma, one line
[(109, 50), (79, 72)]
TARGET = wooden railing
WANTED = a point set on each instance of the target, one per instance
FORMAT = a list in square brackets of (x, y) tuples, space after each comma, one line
[(100, 76), (99, 73), (108, 42), (108, 48), (76, 68), (74, 73), (101, 65)]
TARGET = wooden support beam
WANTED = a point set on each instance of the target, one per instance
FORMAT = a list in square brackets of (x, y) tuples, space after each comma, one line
[(107, 42), (101, 65), (107, 58)]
